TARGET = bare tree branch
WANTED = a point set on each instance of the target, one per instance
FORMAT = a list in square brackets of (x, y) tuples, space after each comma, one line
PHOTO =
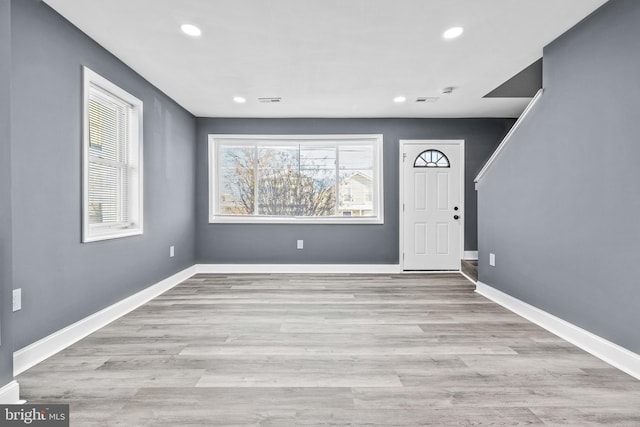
[(282, 189)]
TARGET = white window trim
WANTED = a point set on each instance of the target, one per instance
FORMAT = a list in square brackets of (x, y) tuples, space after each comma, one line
[(97, 233), (378, 192)]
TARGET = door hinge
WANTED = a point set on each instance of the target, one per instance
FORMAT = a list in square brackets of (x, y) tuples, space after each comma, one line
[(403, 207), (404, 156)]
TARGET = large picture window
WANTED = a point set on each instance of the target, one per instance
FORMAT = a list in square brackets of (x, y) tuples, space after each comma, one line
[(112, 160), (309, 178)]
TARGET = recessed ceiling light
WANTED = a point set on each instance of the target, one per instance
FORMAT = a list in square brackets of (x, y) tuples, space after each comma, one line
[(190, 30), (239, 99), (453, 32), (399, 99)]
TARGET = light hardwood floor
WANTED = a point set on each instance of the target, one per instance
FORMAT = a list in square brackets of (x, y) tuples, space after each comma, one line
[(335, 350)]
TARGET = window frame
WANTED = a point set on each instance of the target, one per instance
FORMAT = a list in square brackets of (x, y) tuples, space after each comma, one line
[(91, 233), (343, 139)]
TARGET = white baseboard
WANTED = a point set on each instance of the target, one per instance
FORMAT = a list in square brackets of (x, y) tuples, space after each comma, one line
[(611, 353), (467, 277), (10, 394), (471, 255), (299, 268), (40, 350)]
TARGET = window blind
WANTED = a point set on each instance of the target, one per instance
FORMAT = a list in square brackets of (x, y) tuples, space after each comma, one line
[(108, 160)]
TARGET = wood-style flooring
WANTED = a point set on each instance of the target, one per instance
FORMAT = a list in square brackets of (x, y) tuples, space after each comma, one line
[(331, 350)]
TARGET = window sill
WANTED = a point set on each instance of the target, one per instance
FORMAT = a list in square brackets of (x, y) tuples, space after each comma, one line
[(222, 219), (116, 234)]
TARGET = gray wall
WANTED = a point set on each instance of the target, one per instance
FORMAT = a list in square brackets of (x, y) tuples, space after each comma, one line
[(6, 350), (561, 209), (63, 280), (339, 244)]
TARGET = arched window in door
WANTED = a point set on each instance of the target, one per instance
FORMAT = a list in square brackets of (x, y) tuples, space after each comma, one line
[(431, 159)]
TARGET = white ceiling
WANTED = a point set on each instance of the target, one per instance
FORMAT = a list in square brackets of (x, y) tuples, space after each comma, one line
[(329, 58)]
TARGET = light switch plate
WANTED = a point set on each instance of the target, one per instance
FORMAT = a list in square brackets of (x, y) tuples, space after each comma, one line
[(300, 244), (492, 260)]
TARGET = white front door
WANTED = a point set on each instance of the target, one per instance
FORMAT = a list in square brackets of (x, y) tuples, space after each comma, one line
[(432, 217)]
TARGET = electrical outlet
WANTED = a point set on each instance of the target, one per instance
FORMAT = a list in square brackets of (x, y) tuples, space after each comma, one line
[(492, 260), (17, 299), (300, 244), (172, 251)]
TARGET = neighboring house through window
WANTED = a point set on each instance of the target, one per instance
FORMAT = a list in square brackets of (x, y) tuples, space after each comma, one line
[(112, 160)]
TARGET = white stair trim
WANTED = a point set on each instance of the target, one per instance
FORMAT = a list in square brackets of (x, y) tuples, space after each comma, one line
[(613, 354), (471, 255), (10, 394), (507, 138), (299, 268), (46, 347)]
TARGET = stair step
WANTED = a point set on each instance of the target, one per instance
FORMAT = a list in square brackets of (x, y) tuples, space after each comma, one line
[(470, 268)]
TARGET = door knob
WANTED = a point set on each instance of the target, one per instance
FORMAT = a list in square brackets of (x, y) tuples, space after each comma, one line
[(455, 208), (456, 217)]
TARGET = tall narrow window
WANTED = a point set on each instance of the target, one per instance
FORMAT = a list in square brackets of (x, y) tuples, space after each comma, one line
[(301, 178), (112, 160)]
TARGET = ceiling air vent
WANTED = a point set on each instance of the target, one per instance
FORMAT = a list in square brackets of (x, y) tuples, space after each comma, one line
[(269, 100), (427, 99)]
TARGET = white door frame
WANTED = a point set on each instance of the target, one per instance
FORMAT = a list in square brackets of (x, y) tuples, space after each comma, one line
[(402, 144)]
